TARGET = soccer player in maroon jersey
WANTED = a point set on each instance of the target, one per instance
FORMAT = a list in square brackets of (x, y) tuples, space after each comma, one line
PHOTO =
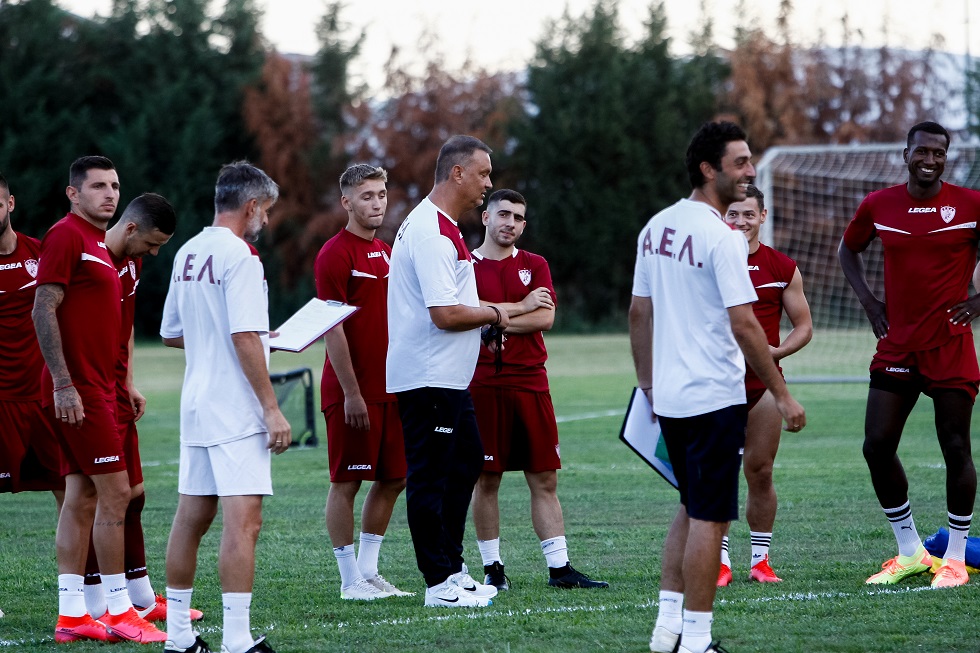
[(146, 225), (511, 396), (779, 285), (77, 317), (30, 457), (929, 233), (364, 432)]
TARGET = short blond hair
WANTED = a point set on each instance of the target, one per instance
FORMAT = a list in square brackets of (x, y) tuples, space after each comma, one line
[(358, 173)]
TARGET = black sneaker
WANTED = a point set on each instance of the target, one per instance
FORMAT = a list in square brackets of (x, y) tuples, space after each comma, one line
[(716, 648), (199, 646), (568, 577), (260, 646), (495, 576)]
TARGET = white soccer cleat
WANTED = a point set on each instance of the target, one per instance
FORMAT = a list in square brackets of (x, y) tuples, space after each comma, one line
[(449, 595), (465, 582), (383, 585), (664, 641), (362, 590)]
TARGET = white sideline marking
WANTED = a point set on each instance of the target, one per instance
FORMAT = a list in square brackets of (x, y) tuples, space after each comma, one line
[(491, 613), (618, 412)]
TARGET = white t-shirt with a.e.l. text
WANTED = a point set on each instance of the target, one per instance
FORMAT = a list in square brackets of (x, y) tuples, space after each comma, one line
[(217, 288), (692, 266)]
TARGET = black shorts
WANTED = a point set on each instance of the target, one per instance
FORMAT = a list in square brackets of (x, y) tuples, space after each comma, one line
[(705, 453)]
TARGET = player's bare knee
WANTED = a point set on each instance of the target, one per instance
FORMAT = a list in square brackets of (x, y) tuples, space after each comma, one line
[(393, 485), (542, 483), (758, 474), (346, 490), (247, 531), (489, 482)]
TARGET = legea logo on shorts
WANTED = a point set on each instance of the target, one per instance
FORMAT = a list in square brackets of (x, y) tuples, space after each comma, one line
[(356, 467), (900, 370), (443, 429), (107, 459)]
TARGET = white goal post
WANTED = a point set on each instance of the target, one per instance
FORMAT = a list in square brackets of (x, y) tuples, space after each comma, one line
[(811, 193)]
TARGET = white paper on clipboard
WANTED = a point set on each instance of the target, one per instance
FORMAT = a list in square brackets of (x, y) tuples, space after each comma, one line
[(642, 434), (309, 323)]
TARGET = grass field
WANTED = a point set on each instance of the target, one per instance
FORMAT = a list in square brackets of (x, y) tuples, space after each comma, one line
[(830, 535)]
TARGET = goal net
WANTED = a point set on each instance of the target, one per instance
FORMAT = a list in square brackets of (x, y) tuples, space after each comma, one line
[(812, 193), (294, 392)]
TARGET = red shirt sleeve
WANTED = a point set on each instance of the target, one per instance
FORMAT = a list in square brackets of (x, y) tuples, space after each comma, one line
[(332, 271), (541, 275), (861, 231), (61, 249)]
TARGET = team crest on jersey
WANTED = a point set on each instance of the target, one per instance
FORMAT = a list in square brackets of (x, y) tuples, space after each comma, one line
[(31, 266), (132, 269), (525, 276), (947, 213)]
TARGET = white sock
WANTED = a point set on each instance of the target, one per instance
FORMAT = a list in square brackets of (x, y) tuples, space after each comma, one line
[(760, 546), (904, 528), (116, 594), (959, 531), (670, 615), (237, 630), (697, 631), (490, 551), (725, 560), (367, 555), (95, 600), (349, 573), (179, 617), (555, 551), (71, 596), (141, 592)]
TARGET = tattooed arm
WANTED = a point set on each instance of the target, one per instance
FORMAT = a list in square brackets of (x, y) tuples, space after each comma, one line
[(67, 402)]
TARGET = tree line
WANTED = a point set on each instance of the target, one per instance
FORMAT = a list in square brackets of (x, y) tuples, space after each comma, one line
[(593, 130)]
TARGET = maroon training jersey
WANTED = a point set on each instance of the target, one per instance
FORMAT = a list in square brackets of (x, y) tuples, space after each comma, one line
[(930, 251), (524, 354), (771, 272), (128, 269), (74, 256), (20, 357), (353, 270)]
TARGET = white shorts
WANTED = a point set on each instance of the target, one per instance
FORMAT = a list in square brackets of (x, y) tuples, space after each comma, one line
[(239, 468)]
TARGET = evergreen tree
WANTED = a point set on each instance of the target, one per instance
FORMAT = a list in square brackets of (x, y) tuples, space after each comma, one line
[(602, 149), (156, 86)]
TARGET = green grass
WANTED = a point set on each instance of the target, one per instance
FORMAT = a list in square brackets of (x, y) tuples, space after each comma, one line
[(830, 535)]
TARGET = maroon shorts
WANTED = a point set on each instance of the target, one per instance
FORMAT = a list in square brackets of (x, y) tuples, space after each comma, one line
[(131, 448), (754, 387), (518, 429), (30, 457), (952, 365), (377, 454), (95, 447)]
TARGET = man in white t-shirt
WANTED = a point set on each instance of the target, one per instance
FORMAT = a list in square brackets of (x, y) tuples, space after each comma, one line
[(434, 321), (230, 423), (691, 321)]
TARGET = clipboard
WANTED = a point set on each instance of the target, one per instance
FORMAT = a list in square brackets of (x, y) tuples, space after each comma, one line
[(642, 434), (309, 323)]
